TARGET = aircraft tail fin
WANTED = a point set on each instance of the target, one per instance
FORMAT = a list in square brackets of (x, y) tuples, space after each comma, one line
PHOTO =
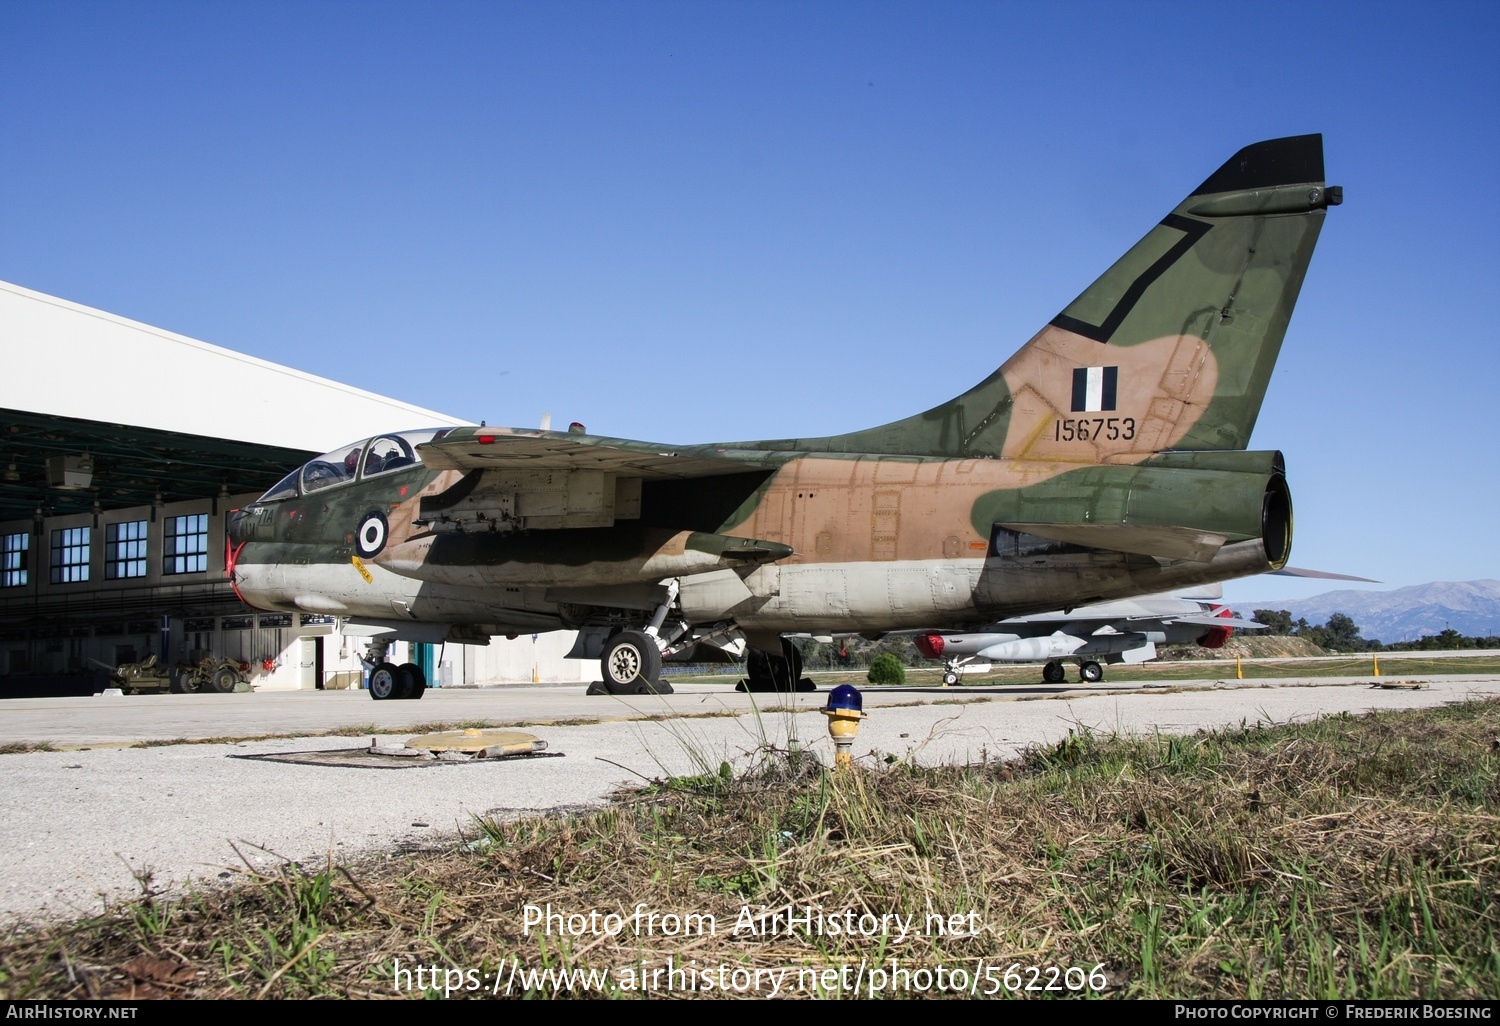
[(1171, 348)]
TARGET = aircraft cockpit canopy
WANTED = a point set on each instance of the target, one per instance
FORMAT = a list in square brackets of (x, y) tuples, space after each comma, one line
[(356, 461)]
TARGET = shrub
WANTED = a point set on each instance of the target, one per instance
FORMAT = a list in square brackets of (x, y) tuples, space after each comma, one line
[(886, 669)]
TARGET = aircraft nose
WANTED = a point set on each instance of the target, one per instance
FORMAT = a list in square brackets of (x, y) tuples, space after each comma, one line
[(237, 527)]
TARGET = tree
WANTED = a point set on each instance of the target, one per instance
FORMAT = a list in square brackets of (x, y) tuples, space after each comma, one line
[(1342, 633), (816, 655), (1277, 621), (886, 669), (1450, 639)]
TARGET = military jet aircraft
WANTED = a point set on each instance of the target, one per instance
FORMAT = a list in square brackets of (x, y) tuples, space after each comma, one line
[(1120, 631), (1104, 459)]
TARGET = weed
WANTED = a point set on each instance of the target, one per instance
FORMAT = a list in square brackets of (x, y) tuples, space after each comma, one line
[(1348, 857)]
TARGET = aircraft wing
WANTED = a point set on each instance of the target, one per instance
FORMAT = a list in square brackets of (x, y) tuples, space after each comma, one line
[(1087, 626), (519, 449)]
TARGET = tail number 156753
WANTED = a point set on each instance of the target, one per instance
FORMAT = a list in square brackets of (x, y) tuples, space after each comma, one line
[(1094, 429)]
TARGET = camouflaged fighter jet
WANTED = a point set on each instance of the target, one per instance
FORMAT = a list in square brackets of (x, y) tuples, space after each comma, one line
[(1105, 459)]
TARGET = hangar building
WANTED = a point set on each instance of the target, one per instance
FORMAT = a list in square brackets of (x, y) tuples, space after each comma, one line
[(124, 447)]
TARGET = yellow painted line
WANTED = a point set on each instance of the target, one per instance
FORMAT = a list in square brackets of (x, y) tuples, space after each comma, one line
[(359, 565)]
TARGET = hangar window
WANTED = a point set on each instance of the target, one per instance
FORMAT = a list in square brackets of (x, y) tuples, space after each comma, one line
[(14, 568), (125, 550), (70, 555), (185, 544)]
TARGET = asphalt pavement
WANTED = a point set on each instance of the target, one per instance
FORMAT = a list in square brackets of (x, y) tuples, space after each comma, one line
[(83, 826)]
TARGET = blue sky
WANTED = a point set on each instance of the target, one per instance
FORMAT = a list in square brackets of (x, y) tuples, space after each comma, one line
[(705, 221)]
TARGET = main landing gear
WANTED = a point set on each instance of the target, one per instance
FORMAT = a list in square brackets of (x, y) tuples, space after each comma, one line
[(631, 664), (388, 681), (767, 672), (1089, 672), (631, 661)]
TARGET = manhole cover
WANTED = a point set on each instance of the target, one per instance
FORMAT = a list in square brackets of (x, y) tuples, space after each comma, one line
[(377, 756), (488, 743)]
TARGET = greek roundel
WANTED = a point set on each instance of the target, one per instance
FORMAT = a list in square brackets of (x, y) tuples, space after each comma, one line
[(370, 538)]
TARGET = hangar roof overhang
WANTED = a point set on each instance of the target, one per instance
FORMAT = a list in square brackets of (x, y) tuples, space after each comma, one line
[(127, 465), (151, 412)]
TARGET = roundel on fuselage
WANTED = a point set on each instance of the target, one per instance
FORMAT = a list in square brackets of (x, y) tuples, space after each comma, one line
[(370, 538)]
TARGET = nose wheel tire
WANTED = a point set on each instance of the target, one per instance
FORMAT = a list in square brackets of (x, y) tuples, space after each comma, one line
[(1091, 672), (412, 680), (950, 678), (1053, 673), (385, 682)]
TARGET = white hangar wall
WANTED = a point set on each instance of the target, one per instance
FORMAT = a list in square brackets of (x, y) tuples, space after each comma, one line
[(517, 662), (273, 405)]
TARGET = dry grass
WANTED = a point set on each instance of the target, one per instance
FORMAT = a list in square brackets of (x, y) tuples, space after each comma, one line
[(22, 747), (1349, 857)]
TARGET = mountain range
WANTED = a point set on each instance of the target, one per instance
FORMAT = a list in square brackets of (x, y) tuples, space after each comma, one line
[(1405, 614)]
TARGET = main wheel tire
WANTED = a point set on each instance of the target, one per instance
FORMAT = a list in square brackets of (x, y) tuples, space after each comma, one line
[(761, 673), (385, 682), (630, 658), (793, 657), (1090, 672), (950, 678), (772, 673), (223, 681), (1053, 673), (413, 680)]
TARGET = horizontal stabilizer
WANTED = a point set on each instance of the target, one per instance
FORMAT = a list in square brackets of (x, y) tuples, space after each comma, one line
[(1143, 540), (1321, 575)]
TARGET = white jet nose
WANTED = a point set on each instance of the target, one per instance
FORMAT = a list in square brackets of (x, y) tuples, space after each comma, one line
[(254, 583)]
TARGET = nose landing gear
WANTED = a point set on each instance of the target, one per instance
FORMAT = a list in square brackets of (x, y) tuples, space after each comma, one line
[(388, 681)]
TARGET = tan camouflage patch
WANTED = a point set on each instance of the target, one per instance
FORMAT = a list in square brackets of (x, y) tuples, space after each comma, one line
[(399, 519), (1164, 386), (842, 510), (892, 508)]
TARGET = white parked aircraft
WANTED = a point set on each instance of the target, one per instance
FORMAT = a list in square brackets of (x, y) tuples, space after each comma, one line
[(1122, 631)]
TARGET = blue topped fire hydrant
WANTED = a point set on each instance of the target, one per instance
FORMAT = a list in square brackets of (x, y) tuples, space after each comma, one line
[(844, 710)]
